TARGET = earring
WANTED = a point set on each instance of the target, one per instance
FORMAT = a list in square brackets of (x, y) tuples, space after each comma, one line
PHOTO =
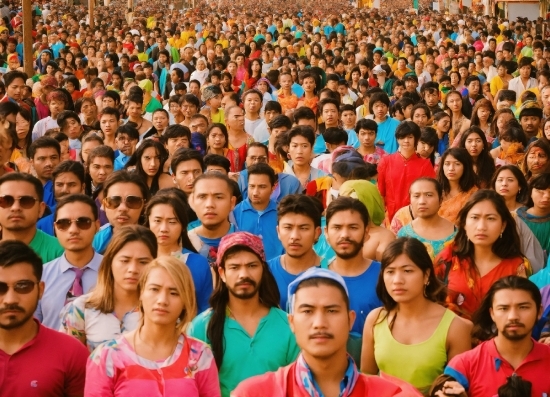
[(426, 286), (500, 235)]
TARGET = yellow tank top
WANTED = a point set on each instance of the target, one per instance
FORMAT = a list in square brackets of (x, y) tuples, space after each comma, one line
[(417, 364)]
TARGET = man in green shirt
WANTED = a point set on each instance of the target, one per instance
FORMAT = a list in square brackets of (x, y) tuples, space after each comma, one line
[(21, 205), (248, 332)]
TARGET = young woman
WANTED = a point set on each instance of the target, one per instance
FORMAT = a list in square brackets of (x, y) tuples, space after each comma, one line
[(148, 161), (427, 145), (536, 213), (254, 72), (537, 159), (474, 141), (486, 248), (310, 98), (500, 120), (412, 327), (420, 114), (158, 354), (19, 155), (217, 139), (511, 184), (482, 117), (458, 179), (459, 122), (442, 125), (89, 143), (166, 216), (111, 308)]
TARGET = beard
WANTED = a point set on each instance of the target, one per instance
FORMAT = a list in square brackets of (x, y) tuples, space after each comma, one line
[(248, 294), (12, 321), (355, 249)]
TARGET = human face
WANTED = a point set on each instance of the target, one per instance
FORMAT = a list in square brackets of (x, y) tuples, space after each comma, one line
[(259, 189), (404, 280), (67, 183), (252, 104), (506, 184), (380, 110), (75, 239), (56, 107), (424, 198), (298, 234), (185, 174), (321, 321), (88, 110), (536, 160), (454, 102), (212, 201), (424, 149), (308, 84), (348, 118), (286, 81), (165, 225), (160, 299), (129, 263), (483, 224), (108, 102), (126, 144), (21, 126), (87, 147), (530, 124), (366, 137), (474, 145), (330, 115), (100, 168), (123, 215), (255, 155), (453, 169), (514, 313), (420, 118), (44, 161), (15, 89), (406, 143), (300, 150), (242, 274), (346, 234), (547, 130), (150, 161), (17, 309), (108, 124), (173, 144), (16, 217), (198, 125), (235, 119), (216, 139), (541, 199), (502, 120)]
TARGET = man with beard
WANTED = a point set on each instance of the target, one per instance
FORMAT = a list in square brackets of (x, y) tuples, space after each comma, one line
[(247, 331), (24, 342), (505, 320), (346, 231)]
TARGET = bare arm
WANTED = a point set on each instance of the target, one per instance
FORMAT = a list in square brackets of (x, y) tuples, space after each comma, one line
[(368, 362), (459, 337)]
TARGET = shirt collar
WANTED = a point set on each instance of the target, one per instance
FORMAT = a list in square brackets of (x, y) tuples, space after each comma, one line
[(64, 264), (537, 353), (308, 382)]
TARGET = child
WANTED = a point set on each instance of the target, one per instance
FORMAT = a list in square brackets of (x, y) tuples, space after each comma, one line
[(348, 118), (212, 95), (512, 144), (278, 126), (506, 99), (70, 124), (57, 102), (366, 133)]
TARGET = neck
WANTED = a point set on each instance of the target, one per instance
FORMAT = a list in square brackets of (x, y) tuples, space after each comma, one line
[(80, 258), (301, 168), (455, 187), (166, 250), (350, 267), (157, 335), (25, 236), (260, 207), (252, 116), (457, 114), (215, 151), (511, 203), (22, 143), (407, 153), (244, 307), (286, 91), (218, 231), (135, 120), (513, 350), (329, 370), (125, 299), (12, 340), (327, 125), (309, 95), (297, 265), (380, 120), (416, 307), (428, 222), (483, 254), (366, 149)]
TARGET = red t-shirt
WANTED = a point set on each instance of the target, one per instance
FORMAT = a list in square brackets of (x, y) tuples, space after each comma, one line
[(52, 364)]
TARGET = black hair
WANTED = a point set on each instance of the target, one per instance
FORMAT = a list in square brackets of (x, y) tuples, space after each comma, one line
[(433, 181), (302, 205), (175, 131), (429, 135), (65, 116), (467, 180), (74, 167), (317, 281), (77, 198), (304, 131), (344, 203), (485, 163), (128, 129), (378, 97), (280, 121), (539, 182), (366, 124), (262, 169), (24, 177), (124, 176), (523, 192), (406, 128), (42, 143), (273, 106), (135, 159), (184, 154), (14, 252), (218, 161)]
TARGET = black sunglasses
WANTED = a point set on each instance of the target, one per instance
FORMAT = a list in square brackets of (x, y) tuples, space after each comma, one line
[(83, 223), (20, 287), (132, 202), (26, 202)]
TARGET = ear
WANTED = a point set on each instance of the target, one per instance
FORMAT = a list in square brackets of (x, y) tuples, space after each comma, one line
[(291, 321), (83, 188), (41, 287), (221, 273), (351, 316), (233, 202), (42, 208)]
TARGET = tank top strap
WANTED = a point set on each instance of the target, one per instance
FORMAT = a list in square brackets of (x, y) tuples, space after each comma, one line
[(442, 329)]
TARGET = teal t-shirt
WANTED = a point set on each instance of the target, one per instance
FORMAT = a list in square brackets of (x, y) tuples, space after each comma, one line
[(47, 247), (272, 346)]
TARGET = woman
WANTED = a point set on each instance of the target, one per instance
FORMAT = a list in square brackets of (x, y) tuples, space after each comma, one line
[(536, 160), (427, 145), (148, 161), (442, 126), (285, 96), (254, 72), (217, 139), (158, 355), (474, 141), (511, 184), (486, 248), (238, 139), (420, 114), (500, 120), (89, 143), (201, 72), (536, 213), (458, 180), (111, 308), (310, 98), (412, 327), (459, 122), (255, 52), (19, 156), (166, 216), (482, 117)]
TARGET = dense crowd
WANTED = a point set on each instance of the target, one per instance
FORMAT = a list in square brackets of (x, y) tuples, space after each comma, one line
[(273, 199)]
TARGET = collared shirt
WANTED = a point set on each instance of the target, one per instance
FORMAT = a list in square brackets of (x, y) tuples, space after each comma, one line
[(517, 85), (121, 161), (286, 184), (58, 279)]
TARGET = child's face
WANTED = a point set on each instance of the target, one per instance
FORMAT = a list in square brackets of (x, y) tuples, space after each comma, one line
[(215, 102), (504, 145), (366, 137), (65, 155), (407, 111), (299, 150), (56, 107), (348, 118)]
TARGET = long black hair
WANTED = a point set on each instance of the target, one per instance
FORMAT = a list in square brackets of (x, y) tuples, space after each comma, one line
[(268, 294), (523, 193), (135, 159), (485, 164), (467, 180)]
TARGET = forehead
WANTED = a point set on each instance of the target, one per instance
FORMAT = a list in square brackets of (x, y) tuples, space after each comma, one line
[(212, 186), (20, 187), (320, 295), (124, 189)]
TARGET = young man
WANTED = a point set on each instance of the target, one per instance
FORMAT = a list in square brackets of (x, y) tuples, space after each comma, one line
[(257, 214), (330, 111), (248, 333), (45, 155), (24, 342), (212, 199), (109, 120), (57, 102), (68, 178), (21, 205), (524, 81), (175, 137), (321, 319), (127, 138), (75, 272), (252, 103), (186, 166), (530, 118), (506, 318), (378, 106), (262, 132), (298, 229), (125, 195), (366, 134)]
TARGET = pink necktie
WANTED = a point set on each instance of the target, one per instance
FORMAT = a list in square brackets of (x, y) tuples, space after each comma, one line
[(76, 289)]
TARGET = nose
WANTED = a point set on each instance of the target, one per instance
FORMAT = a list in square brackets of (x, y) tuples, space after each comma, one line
[(133, 267)]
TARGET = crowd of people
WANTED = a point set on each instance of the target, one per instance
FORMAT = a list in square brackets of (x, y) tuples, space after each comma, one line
[(273, 199)]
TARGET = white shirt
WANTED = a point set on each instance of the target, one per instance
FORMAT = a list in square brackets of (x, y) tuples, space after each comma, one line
[(517, 85), (491, 73)]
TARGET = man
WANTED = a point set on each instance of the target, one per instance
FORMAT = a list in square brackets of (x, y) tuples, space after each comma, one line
[(257, 214), (75, 272), (255, 336), (186, 166), (320, 318), (252, 103), (506, 317), (524, 81), (21, 205), (67, 178), (530, 117), (45, 154), (212, 200), (124, 198), (379, 105), (298, 229), (330, 111), (263, 132), (175, 137), (346, 232), (24, 342)]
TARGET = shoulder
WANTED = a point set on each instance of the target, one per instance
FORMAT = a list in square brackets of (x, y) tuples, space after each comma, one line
[(459, 326), (373, 316), (278, 315), (272, 383), (58, 342), (202, 319)]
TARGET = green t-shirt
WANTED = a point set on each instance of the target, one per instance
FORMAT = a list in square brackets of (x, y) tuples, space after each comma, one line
[(46, 246), (272, 346)]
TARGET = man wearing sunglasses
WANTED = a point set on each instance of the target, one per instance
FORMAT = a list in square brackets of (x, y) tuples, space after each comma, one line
[(24, 342), (125, 195), (45, 154), (21, 205), (75, 272)]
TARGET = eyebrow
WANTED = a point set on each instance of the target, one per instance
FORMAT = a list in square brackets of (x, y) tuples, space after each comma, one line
[(307, 306)]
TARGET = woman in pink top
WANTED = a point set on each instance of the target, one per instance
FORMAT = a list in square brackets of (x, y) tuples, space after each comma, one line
[(157, 359)]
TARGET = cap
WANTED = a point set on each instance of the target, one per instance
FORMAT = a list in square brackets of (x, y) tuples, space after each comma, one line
[(378, 70), (313, 272), (210, 92), (245, 239), (410, 76), (530, 108), (461, 22)]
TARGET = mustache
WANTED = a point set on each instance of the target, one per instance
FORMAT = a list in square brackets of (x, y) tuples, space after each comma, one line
[(11, 308), (322, 334), (514, 324), (347, 240), (246, 281)]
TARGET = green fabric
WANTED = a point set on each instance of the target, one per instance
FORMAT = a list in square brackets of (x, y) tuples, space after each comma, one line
[(272, 346), (46, 246), (368, 194), (153, 105)]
